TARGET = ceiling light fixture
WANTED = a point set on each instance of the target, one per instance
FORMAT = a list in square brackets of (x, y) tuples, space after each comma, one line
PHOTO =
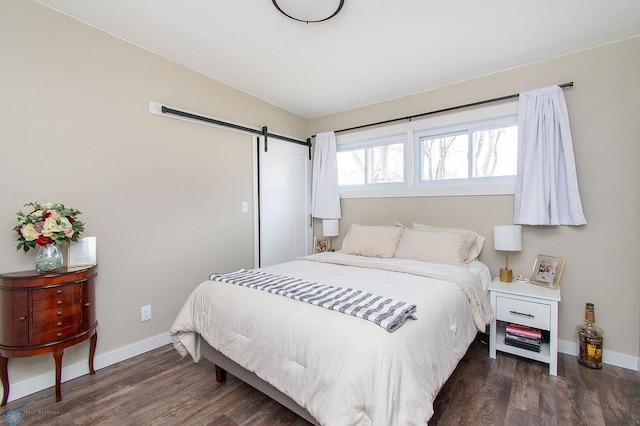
[(309, 11)]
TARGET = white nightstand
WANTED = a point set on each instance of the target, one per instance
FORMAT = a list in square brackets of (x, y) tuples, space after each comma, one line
[(530, 305)]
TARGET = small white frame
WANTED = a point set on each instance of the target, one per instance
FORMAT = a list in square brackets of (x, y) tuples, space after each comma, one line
[(82, 253)]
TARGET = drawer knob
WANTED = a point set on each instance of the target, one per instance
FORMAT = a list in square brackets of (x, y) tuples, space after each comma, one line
[(59, 323), (87, 304), (520, 313), (59, 334), (59, 313), (58, 291), (59, 302), (22, 318)]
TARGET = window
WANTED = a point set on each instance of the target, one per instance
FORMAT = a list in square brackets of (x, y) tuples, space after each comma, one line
[(469, 152), (380, 161)]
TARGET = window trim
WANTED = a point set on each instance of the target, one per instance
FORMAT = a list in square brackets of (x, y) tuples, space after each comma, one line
[(462, 128), (372, 143)]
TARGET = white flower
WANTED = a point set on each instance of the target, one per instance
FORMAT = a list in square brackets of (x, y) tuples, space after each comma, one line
[(29, 232), (65, 225), (50, 227)]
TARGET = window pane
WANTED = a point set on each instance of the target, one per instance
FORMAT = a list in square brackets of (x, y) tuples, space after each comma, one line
[(386, 163), (445, 157), (496, 152), (351, 167)]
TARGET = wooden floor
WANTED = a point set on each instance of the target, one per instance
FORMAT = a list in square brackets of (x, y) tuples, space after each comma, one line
[(160, 388)]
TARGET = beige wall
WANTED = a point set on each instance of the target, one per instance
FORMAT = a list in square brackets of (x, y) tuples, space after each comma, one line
[(162, 196), (601, 257)]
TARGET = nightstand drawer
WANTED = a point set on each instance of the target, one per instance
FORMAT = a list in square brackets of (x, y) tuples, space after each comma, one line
[(523, 312)]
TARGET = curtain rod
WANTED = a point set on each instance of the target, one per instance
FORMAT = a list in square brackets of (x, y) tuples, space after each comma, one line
[(263, 132), (411, 117)]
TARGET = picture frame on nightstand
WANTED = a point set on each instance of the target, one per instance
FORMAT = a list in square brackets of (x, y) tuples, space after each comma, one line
[(547, 271), (320, 245)]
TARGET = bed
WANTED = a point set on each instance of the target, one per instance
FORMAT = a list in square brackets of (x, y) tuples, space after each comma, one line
[(333, 368)]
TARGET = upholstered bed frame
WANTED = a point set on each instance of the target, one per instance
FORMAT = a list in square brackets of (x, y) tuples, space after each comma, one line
[(224, 365)]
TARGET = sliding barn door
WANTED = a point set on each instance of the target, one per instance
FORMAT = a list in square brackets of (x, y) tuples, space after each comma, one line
[(284, 173)]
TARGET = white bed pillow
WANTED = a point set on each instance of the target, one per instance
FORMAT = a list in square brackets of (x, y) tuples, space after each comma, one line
[(474, 249), (372, 241), (434, 246)]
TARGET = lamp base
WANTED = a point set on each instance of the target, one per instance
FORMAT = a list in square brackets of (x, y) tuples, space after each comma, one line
[(329, 245), (506, 275)]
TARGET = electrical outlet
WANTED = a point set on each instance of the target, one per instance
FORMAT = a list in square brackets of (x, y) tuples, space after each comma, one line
[(145, 313)]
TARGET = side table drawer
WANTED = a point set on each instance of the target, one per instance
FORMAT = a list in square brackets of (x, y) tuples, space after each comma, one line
[(523, 312), (57, 323), (52, 314), (69, 290), (55, 297), (55, 335)]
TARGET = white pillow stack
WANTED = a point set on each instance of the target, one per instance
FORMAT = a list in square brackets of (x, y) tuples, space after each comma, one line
[(452, 246)]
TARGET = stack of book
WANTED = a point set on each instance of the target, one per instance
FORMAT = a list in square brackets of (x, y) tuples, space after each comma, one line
[(523, 337)]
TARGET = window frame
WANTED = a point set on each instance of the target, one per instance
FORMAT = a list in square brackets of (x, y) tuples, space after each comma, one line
[(464, 128), (373, 143)]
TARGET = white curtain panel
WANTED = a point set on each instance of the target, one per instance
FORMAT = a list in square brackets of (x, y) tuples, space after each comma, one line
[(325, 195), (547, 185)]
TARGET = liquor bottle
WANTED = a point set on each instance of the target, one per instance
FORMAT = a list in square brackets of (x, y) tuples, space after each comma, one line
[(590, 338)]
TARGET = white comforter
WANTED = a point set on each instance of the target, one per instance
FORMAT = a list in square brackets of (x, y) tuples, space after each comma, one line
[(342, 369)]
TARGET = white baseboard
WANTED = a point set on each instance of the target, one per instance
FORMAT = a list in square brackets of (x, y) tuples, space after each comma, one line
[(608, 357), (69, 372)]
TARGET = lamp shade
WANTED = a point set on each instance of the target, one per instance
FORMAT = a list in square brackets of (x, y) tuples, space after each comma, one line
[(507, 237), (330, 227), (309, 10)]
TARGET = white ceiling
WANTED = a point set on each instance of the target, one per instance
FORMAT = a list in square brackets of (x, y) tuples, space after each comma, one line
[(373, 50)]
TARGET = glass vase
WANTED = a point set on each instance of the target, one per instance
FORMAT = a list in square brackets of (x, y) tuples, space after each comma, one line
[(49, 258)]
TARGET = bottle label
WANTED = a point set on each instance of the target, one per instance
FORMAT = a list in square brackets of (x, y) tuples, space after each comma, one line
[(590, 346)]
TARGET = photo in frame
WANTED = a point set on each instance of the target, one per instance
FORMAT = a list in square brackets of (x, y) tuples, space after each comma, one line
[(319, 245), (547, 271), (82, 253)]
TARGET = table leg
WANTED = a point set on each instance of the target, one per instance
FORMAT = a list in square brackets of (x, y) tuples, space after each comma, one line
[(4, 375), (92, 351), (57, 356)]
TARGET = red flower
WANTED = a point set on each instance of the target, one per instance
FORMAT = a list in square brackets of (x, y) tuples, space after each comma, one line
[(43, 241), (71, 219)]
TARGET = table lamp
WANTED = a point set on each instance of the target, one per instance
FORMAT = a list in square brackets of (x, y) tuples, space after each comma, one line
[(507, 238), (330, 228)]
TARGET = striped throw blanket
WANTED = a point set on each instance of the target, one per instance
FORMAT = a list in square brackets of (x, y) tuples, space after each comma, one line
[(387, 313)]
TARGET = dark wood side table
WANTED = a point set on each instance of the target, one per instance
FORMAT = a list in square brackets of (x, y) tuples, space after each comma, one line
[(46, 312)]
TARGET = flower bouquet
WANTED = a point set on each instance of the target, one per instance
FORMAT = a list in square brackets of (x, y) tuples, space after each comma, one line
[(50, 223), (47, 227)]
